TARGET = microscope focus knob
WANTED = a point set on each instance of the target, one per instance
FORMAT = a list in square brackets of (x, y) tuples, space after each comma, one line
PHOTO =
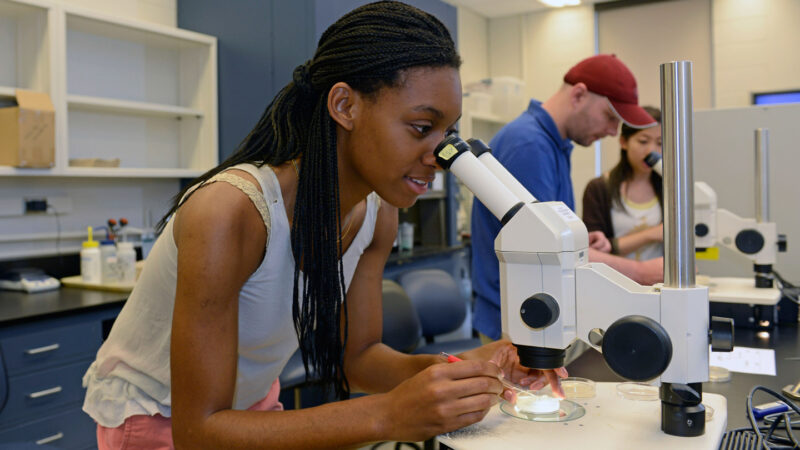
[(749, 241), (721, 334), (701, 230), (637, 348), (539, 311), (782, 243)]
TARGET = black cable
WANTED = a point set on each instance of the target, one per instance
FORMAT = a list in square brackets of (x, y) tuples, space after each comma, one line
[(766, 440), (784, 286), (58, 235)]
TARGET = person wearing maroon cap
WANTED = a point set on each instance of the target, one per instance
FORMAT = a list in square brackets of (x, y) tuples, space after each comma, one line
[(597, 94)]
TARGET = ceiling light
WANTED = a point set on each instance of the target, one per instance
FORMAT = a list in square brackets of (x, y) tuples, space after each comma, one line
[(560, 3)]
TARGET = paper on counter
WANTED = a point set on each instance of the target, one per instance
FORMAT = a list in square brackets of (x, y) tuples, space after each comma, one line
[(746, 360)]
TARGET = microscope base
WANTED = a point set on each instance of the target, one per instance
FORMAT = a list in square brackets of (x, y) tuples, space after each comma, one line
[(738, 290), (610, 422)]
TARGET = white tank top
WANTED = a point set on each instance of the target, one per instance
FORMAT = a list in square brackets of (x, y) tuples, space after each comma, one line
[(635, 217), (131, 374)]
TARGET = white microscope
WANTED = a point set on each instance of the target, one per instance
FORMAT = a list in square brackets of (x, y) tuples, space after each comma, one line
[(551, 295), (755, 239)]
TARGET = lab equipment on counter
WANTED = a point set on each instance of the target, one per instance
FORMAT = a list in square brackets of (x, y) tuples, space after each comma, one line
[(126, 262), (91, 265), (755, 239), (108, 261), (28, 280), (551, 295)]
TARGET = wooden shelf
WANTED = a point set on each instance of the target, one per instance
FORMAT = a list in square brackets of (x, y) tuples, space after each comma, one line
[(131, 172), (130, 107), (87, 21), (101, 172), (20, 172)]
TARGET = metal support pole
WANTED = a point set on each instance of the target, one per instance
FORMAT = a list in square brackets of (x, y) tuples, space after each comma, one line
[(677, 142), (762, 175)]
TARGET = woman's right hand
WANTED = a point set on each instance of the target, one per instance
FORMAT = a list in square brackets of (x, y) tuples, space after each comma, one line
[(442, 398), (656, 233)]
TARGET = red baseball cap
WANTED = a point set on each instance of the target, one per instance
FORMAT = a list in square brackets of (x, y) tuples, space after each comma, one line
[(606, 75)]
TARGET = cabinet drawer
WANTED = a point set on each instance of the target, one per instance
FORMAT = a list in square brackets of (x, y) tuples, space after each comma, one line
[(69, 429), (29, 352), (35, 395)]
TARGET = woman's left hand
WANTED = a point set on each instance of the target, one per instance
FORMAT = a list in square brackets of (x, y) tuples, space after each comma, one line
[(504, 354), (599, 241)]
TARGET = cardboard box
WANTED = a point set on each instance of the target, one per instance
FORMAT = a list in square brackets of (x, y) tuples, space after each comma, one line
[(27, 131)]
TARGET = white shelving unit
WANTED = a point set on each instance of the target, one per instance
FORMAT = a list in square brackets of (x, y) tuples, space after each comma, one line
[(142, 93), (26, 46)]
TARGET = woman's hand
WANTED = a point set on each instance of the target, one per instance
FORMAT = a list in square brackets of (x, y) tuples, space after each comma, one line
[(656, 233), (504, 354), (443, 397), (599, 241)]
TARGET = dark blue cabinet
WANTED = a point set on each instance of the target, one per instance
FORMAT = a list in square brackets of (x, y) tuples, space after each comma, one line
[(43, 361)]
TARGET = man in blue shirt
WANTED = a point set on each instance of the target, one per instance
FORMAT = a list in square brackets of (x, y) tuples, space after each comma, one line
[(597, 93)]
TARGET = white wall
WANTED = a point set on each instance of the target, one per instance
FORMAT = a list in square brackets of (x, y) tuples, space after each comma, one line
[(644, 37), (756, 48), (540, 48), (473, 45), (92, 200)]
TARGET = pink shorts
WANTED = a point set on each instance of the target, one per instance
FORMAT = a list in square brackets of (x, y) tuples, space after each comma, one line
[(155, 432)]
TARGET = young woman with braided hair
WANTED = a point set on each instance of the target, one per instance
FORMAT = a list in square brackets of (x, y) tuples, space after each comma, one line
[(284, 245)]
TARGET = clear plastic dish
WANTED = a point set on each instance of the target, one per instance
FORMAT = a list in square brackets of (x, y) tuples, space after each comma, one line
[(637, 391), (718, 374), (567, 410), (574, 388), (709, 412)]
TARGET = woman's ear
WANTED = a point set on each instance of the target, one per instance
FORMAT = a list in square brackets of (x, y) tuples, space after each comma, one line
[(623, 142), (343, 104)]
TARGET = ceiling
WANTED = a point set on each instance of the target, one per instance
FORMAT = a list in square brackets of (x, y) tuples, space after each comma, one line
[(500, 8)]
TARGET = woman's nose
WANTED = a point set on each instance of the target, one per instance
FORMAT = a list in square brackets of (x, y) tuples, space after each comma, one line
[(429, 159)]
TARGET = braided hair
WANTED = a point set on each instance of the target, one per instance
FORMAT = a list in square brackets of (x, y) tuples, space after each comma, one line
[(369, 48), (623, 171)]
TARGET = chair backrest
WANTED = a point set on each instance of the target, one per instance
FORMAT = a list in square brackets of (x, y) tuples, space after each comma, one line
[(437, 299), (401, 327)]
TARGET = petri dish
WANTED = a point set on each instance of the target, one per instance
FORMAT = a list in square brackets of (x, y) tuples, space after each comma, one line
[(574, 388), (718, 374), (709, 412), (567, 410), (632, 390)]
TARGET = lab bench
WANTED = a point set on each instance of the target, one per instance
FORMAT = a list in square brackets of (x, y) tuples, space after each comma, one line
[(784, 339), (47, 341)]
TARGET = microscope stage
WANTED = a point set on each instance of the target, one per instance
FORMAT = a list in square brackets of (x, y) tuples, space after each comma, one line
[(610, 422)]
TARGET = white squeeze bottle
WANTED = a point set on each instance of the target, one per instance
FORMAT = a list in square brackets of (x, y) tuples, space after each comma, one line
[(126, 262), (91, 271)]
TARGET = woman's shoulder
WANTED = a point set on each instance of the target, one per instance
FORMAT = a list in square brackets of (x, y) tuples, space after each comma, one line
[(598, 183)]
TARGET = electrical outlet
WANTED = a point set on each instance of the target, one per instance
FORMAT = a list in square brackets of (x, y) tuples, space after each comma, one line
[(35, 205), (46, 205)]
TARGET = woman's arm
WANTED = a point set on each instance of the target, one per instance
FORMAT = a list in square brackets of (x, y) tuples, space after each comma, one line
[(218, 249), (370, 365), (634, 241)]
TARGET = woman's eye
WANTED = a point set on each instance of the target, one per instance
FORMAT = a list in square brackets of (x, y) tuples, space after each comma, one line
[(422, 129)]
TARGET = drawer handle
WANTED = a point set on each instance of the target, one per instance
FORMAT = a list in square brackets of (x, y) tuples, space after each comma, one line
[(50, 439), (46, 392), (45, 349)]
